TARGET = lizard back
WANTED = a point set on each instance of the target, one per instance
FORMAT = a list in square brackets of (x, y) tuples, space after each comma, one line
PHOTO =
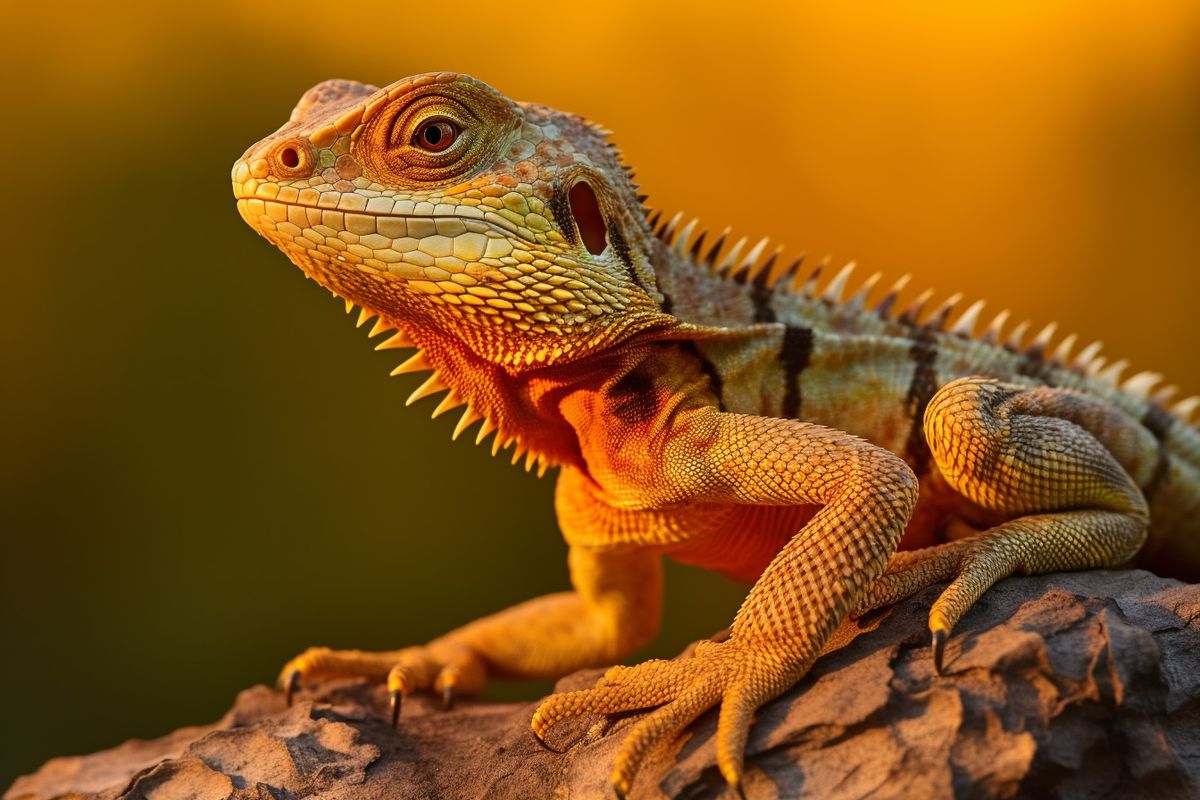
[(830, 353)]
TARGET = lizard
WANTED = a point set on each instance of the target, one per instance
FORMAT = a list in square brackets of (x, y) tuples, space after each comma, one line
[(714, 404)]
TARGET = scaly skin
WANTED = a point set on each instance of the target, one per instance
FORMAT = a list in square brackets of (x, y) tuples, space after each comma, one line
[(701, 405)]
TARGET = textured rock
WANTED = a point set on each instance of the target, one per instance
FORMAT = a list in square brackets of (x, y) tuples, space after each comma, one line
[(1074, 685)]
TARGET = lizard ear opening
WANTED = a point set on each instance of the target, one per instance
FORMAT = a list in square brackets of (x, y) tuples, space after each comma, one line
[(588, 217)]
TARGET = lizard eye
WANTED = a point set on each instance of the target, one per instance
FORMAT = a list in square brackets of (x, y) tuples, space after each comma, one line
[(435, 135)]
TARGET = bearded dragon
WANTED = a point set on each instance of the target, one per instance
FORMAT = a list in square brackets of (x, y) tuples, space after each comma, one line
[(713, 404)]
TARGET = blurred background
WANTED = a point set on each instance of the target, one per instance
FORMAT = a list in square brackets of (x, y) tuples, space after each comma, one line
[(203, 465)]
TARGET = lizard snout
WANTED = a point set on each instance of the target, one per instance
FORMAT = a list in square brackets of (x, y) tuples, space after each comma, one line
[(286, 160)]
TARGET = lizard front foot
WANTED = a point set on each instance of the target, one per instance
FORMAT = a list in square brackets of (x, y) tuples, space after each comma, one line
[(729, 673), (445, 666)]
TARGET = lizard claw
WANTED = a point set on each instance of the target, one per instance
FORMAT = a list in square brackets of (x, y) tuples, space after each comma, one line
[(542, 742), (448, 695), (290, 685), (939, 650), (397, 699)]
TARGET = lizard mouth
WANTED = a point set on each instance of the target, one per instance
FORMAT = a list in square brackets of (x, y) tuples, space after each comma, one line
[(443, 248), (270, 208)]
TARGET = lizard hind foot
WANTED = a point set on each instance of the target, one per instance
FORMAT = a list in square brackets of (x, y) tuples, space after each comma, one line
[(1029, 544), (1047, 457)]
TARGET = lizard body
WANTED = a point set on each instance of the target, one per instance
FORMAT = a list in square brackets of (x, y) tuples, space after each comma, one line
[(706, 403)]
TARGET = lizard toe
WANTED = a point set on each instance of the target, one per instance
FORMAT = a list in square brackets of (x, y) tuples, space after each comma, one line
[(312, 664), (318, 663), (678, 691), (448, 669), (658, 727), (724, 673), (621, 689)]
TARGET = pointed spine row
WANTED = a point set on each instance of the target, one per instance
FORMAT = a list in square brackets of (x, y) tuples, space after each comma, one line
[(418, 362), (767, 272)]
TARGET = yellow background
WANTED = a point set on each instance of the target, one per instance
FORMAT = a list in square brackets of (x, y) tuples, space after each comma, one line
[(203, 466)]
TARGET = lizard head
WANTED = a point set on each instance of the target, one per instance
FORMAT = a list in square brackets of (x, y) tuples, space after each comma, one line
[(453, 212)]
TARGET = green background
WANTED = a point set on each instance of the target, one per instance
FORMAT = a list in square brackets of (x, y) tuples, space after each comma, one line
[(204, 466)]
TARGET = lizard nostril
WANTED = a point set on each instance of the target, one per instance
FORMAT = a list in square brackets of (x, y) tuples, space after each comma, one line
[(289, 157)]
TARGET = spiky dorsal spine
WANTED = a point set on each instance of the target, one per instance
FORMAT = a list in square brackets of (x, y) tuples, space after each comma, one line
[(729, 263)]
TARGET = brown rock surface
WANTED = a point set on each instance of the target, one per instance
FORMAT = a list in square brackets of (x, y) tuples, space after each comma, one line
[(1074, 685)]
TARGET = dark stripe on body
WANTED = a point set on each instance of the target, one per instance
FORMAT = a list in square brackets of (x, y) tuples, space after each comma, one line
[(794, 357), (1158, 422), (1031, 365), (921, 389), (760, 295), (715, 382)]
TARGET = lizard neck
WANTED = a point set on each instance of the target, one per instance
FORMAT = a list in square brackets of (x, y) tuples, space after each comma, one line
[(520, 406)]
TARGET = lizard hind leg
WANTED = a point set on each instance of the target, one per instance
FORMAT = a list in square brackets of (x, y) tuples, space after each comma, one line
[(1026, 545), (1059, 461)]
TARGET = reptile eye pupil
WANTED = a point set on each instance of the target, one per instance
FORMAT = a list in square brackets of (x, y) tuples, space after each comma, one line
[(435, 135), (289, 157)]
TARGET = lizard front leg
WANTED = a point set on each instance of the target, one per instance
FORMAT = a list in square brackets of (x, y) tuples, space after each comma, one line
[(615, 607), (867, 496)]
